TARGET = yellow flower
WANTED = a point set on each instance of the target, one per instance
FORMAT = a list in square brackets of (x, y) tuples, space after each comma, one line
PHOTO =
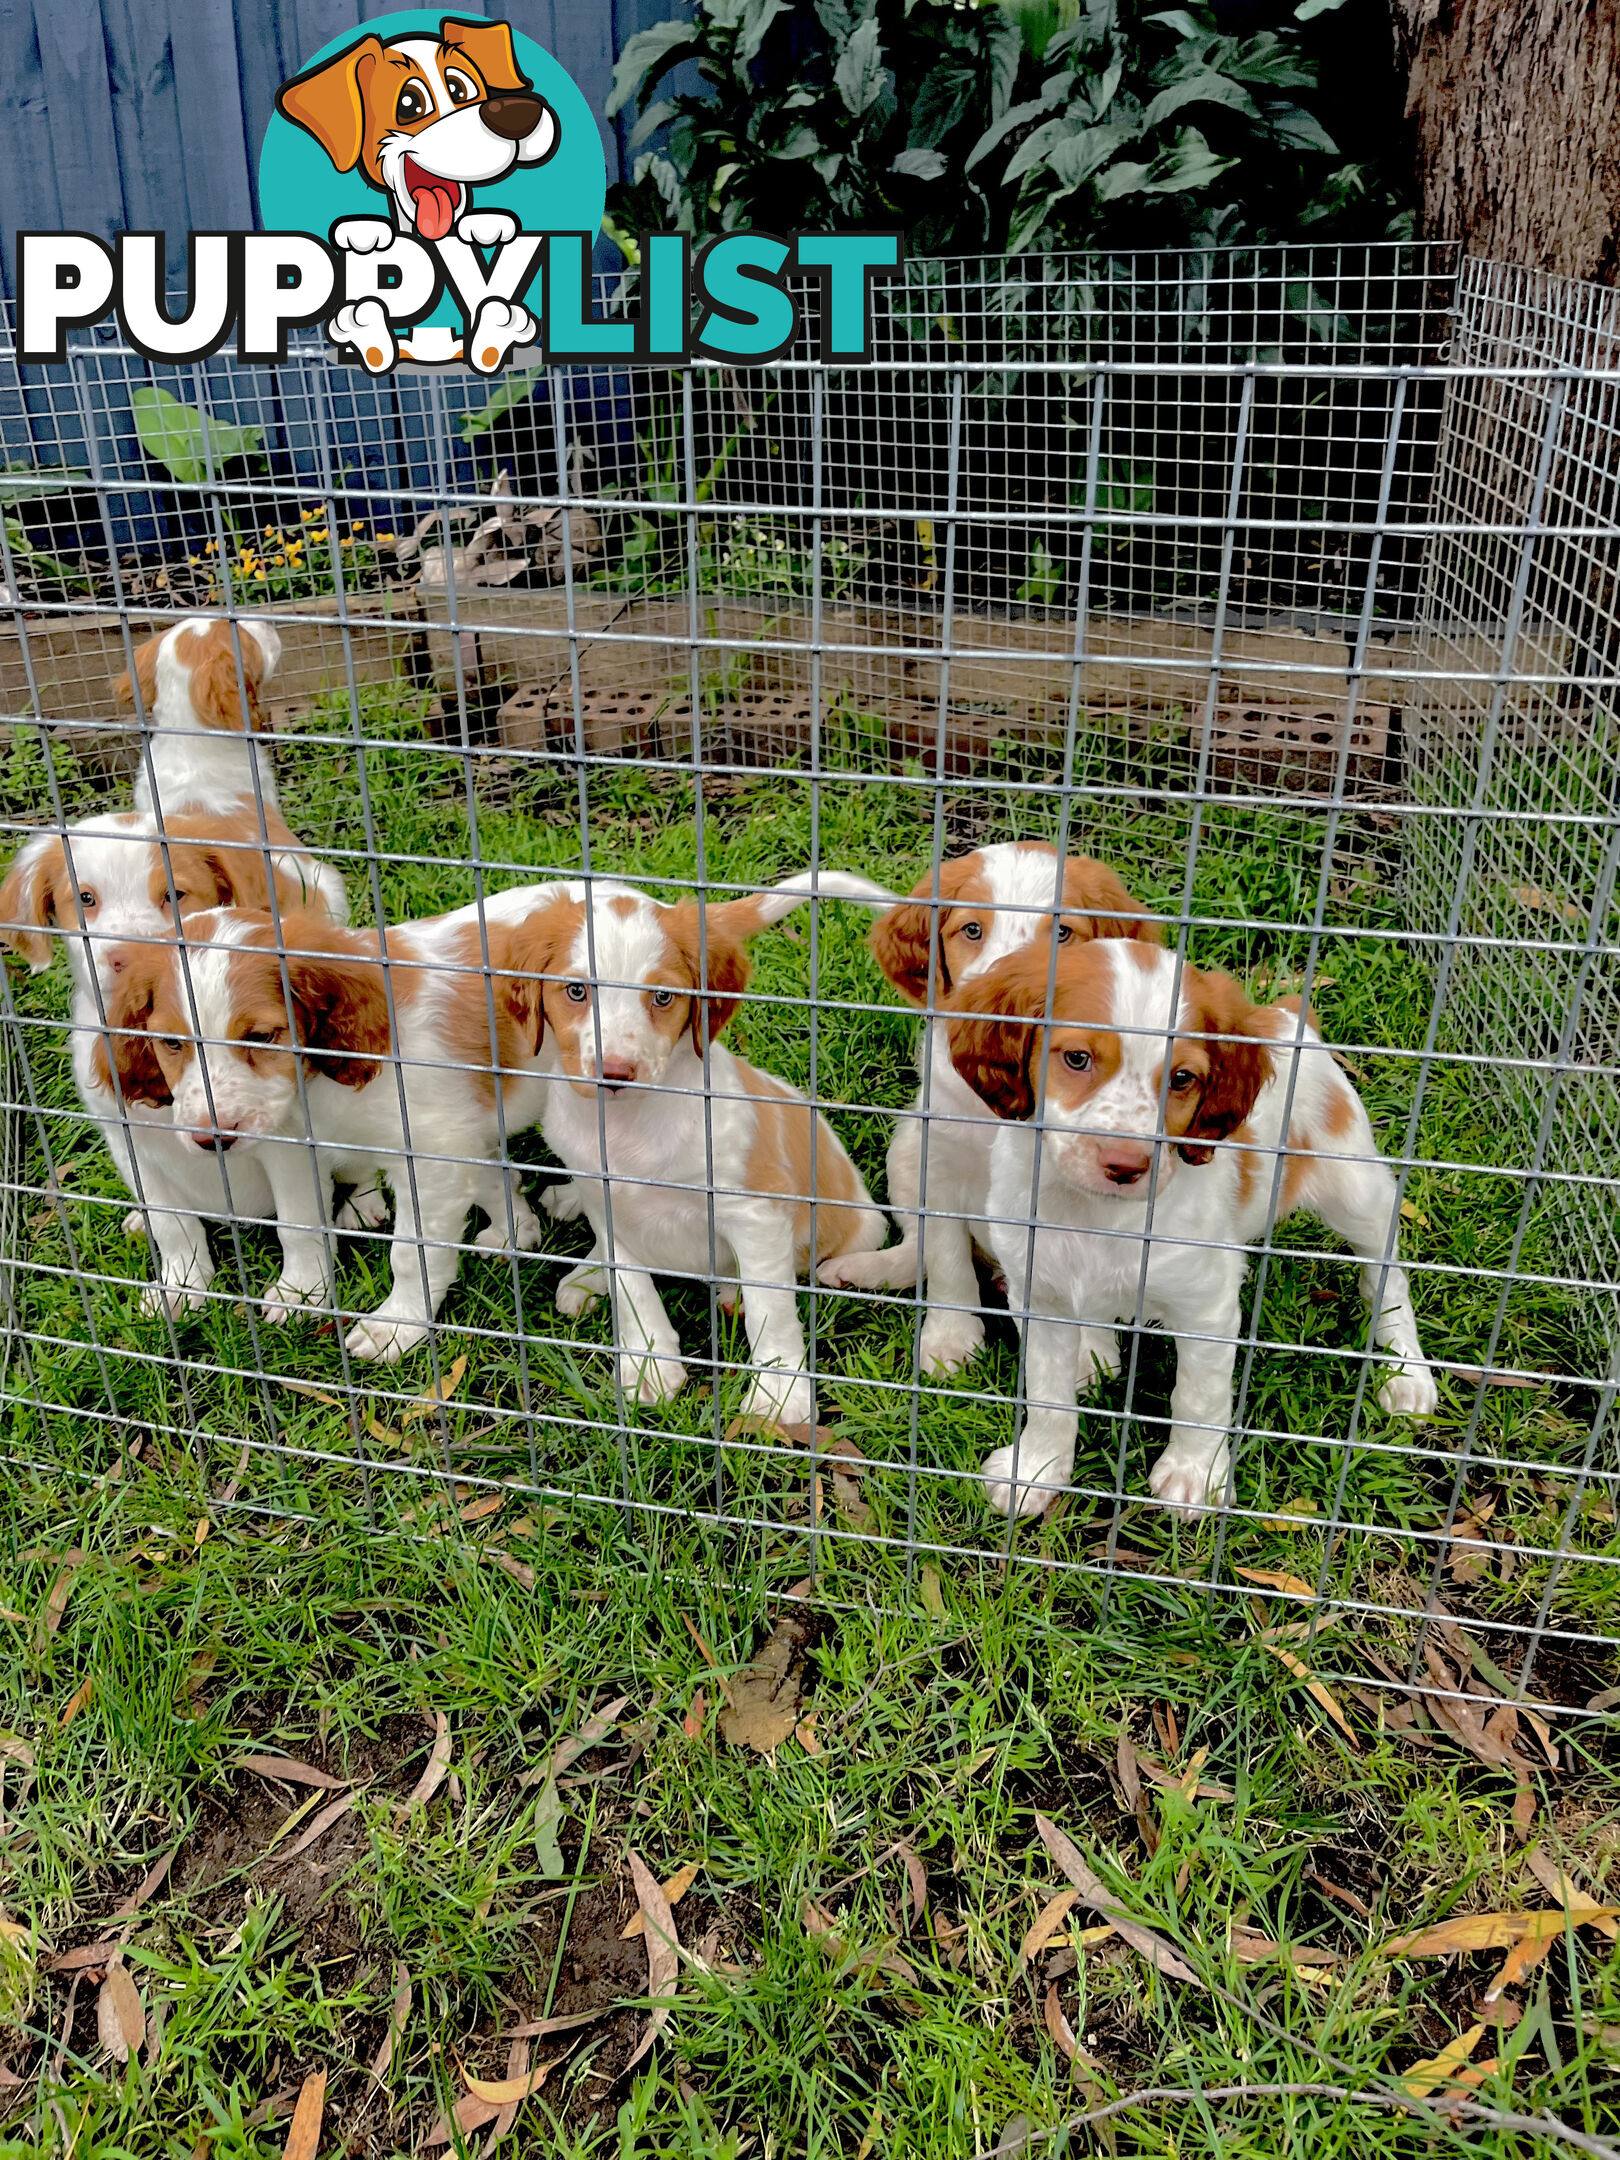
[(348, 543), (192, 558), (385, 539), (263, 576), (357, 526), (321, 535), (211, 548), (295, 550), (270, 531), (306, 515)]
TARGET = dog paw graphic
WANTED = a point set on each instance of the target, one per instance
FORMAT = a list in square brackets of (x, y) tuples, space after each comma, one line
[(362, 235), (497, 328), (364, 326), (486, 228)]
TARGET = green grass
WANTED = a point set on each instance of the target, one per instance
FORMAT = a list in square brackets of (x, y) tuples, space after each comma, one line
[(338, 1600)]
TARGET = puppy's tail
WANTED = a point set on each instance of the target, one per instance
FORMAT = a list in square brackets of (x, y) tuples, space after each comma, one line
[(792, 892)]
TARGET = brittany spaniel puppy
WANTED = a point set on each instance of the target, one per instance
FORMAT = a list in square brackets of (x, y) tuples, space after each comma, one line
[(204, 718), (679, 1147), (985, 906), (111, 879), (1139, 1074)]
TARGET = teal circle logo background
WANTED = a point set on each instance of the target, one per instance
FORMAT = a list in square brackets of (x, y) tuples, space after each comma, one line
[(300, 190)]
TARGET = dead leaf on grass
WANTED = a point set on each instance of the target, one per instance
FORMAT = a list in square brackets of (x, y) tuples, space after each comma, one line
[(1495, 1930), (503, 2092), (763, 1705), (674, 1890), (1314, 1688), (120, 2015), (1130, 1783), (805, 1733), (1532, 896), (880, 1957), (663, 1957), (1201, 1788), (319, 1827), (398, 2018), (145, 1887), (591, 1734), (289, 1770), (1142, 1940), (538, 2028), (692, 1723), (519, 1570), (1424, 2077), (441, 1391), (1293, 1586), (929, 1590), (1063, 2034), (304, 2137), (56, 1604), (477, 1511), (75, 1703), (917, 1883), (469, 2113), (438, 1763), (1251, 1948), (1567, 1892), (517, 2070), (1046, 1924), (847, 1500)]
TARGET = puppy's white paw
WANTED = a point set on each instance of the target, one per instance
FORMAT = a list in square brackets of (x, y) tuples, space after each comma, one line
[(364, 326), (286, 1298), (894, 1268), (486, 228), (498, 328), (651, 1378), (1410, 1393), (362, 235), (1193, 1479), (1099, 1355), (384, 1342), (134, 1223), (563, 1203), (950, 1340), (773, 1399), (365, 1209), (496, 1235), (579, 1290), (1041, 1471), (174, 1299)]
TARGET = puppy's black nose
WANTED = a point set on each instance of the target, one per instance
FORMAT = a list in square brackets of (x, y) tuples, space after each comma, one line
[(513, 116)]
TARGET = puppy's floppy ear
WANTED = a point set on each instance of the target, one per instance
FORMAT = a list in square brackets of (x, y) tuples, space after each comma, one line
[(900, 941), (1237, 1070), (222, 697), (328, 101), (713, 1007), (28, 899), (538, 946), (1091, 887), (146, 674), (134, 970), (995, 1042), (341, 1001), (489, 47)]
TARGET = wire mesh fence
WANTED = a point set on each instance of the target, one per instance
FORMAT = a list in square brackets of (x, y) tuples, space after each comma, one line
[(1275, 584)]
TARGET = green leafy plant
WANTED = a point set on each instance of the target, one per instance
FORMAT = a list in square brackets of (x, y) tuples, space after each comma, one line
[(1037, 123), (189, 444)]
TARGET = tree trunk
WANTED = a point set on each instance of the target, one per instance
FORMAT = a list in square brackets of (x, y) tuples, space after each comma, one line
[(1516, 109)]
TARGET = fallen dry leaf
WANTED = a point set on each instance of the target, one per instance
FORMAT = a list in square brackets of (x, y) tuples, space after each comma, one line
[(1290, 1585), (289, 1770), (929, 1590), (1203, 1789), (1568, 1893), (441, 1391), (538, 2028), (477, 1511), (469, 2113), (880, 1957), (303, 1387), (591, 1734), (86, 1957), (517, 2070), (519, 1570), (1252, 1948), (663, 1957), (304, 2137), (56, 1604), (1532, 896), (1523, 1957), (1063, 2035), (438, 1763), (1142, 1940), (917, 1883), (504, 2091), (1313, 1688), (399, 2015), (804, 1733), (1046, 1924), (674, 1890), (763, 1705), (692, 1723), (1130, 1783), (1495, 1930), (1440, 2069), (319, 1827), (145, 1887), (120, 2015), (75, 1703)]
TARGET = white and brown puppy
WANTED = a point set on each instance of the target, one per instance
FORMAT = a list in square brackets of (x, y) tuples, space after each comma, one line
[(109, 880), (702, 1152), (235, 1042), (1140, 1068), (982, 907), (206, 744)]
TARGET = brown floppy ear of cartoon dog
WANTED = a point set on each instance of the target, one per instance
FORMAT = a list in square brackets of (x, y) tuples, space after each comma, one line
[(1218, 1010)]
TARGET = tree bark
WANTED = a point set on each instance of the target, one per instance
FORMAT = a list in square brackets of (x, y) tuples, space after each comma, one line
[(1515, 106)]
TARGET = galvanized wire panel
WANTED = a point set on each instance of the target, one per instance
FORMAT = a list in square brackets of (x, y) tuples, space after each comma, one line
[(1279, 579)]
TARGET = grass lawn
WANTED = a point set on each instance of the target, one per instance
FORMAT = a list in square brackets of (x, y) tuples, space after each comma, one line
[(228, 1542)]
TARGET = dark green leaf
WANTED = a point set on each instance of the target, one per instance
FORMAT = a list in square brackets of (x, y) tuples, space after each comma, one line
[(650, 122), (179, 437), (1203, 88), (921, 165), (1293, 124), (860, 74), (645, 58), (758, 16)]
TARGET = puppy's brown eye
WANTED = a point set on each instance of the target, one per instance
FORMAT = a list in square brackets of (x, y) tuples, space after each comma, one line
[(1065, 932), (259, 1037), (663, 997), (973, 931), (576, 993), (1077, 1060), (87, 899), (173, 1044), (1182, 1079), (413, 104), (462, 92)]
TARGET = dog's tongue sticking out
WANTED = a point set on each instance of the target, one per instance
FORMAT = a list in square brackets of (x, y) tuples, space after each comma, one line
[(435, 201)]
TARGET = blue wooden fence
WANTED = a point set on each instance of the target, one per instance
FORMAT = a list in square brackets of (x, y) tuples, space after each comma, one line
[(147, 115)]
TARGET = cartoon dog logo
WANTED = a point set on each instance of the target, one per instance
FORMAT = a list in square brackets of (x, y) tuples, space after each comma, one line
[(425, 120)]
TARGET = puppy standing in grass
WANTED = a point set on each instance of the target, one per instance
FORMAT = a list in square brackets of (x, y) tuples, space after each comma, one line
[(1141, 1067), (692, 1139), (983, 907)]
